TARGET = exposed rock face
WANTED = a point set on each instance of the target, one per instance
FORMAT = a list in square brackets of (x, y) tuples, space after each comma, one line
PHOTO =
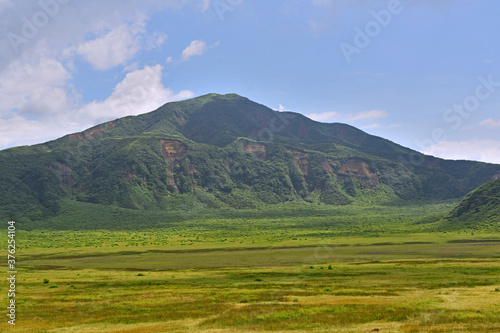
[(300, 158), (360, 170), (173, 150), (257, 149)]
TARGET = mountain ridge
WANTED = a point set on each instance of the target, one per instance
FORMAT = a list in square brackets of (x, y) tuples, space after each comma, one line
[(223, 151)]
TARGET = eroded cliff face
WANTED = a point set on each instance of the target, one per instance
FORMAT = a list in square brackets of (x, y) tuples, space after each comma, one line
[(301, 160), (173, 150), (258, 150), (359, 170), (353, 168)]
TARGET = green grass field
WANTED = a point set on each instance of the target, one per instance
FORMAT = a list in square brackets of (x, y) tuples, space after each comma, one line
[(384, 269)]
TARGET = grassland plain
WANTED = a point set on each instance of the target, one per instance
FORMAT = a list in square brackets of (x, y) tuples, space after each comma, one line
[(345, 269)]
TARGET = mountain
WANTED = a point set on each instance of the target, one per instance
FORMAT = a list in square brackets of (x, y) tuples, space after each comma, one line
[(480, 208), (223, 151)]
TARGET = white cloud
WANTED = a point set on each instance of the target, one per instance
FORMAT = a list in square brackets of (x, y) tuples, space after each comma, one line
[(196, 48), (490, 122), (69, 24), (281, 108), (14, 131), (73, 23), (476, 150), (131, 67), (139, 92), (35, 87), (48, 111), (360, 116), (155, 40), (37, 98), (115, 48)]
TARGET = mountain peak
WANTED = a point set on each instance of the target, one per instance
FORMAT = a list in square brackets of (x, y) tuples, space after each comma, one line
[(223, 151)]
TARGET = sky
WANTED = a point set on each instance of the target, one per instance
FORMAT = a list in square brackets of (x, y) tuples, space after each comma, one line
[(422, 73)]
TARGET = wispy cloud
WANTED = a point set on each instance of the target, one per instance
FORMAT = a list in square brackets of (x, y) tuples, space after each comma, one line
[(368, 115), (370, 126), (155, 41), (478, 150), (490, 122), (360, 116), (281, 108), (325, 116), (196, 48)]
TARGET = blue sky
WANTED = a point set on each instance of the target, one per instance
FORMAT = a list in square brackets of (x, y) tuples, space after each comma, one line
[(424, 74)]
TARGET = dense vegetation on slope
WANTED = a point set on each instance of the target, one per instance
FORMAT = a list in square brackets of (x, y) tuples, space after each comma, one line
[(480, 208), (222, 152)]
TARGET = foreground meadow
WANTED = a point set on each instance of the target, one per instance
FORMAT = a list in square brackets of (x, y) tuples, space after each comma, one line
[(260, 275)]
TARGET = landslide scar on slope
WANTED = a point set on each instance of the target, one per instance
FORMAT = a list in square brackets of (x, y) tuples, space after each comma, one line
[(329, 165), (256, 149), (359, 169), (300, 159), (63, 172), (94, 131), (173, 150)]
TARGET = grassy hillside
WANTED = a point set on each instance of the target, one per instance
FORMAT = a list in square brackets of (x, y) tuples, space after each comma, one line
[(479, 209)]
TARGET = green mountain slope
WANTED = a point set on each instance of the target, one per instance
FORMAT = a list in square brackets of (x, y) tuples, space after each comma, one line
[(479, 209), (223, 151)]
